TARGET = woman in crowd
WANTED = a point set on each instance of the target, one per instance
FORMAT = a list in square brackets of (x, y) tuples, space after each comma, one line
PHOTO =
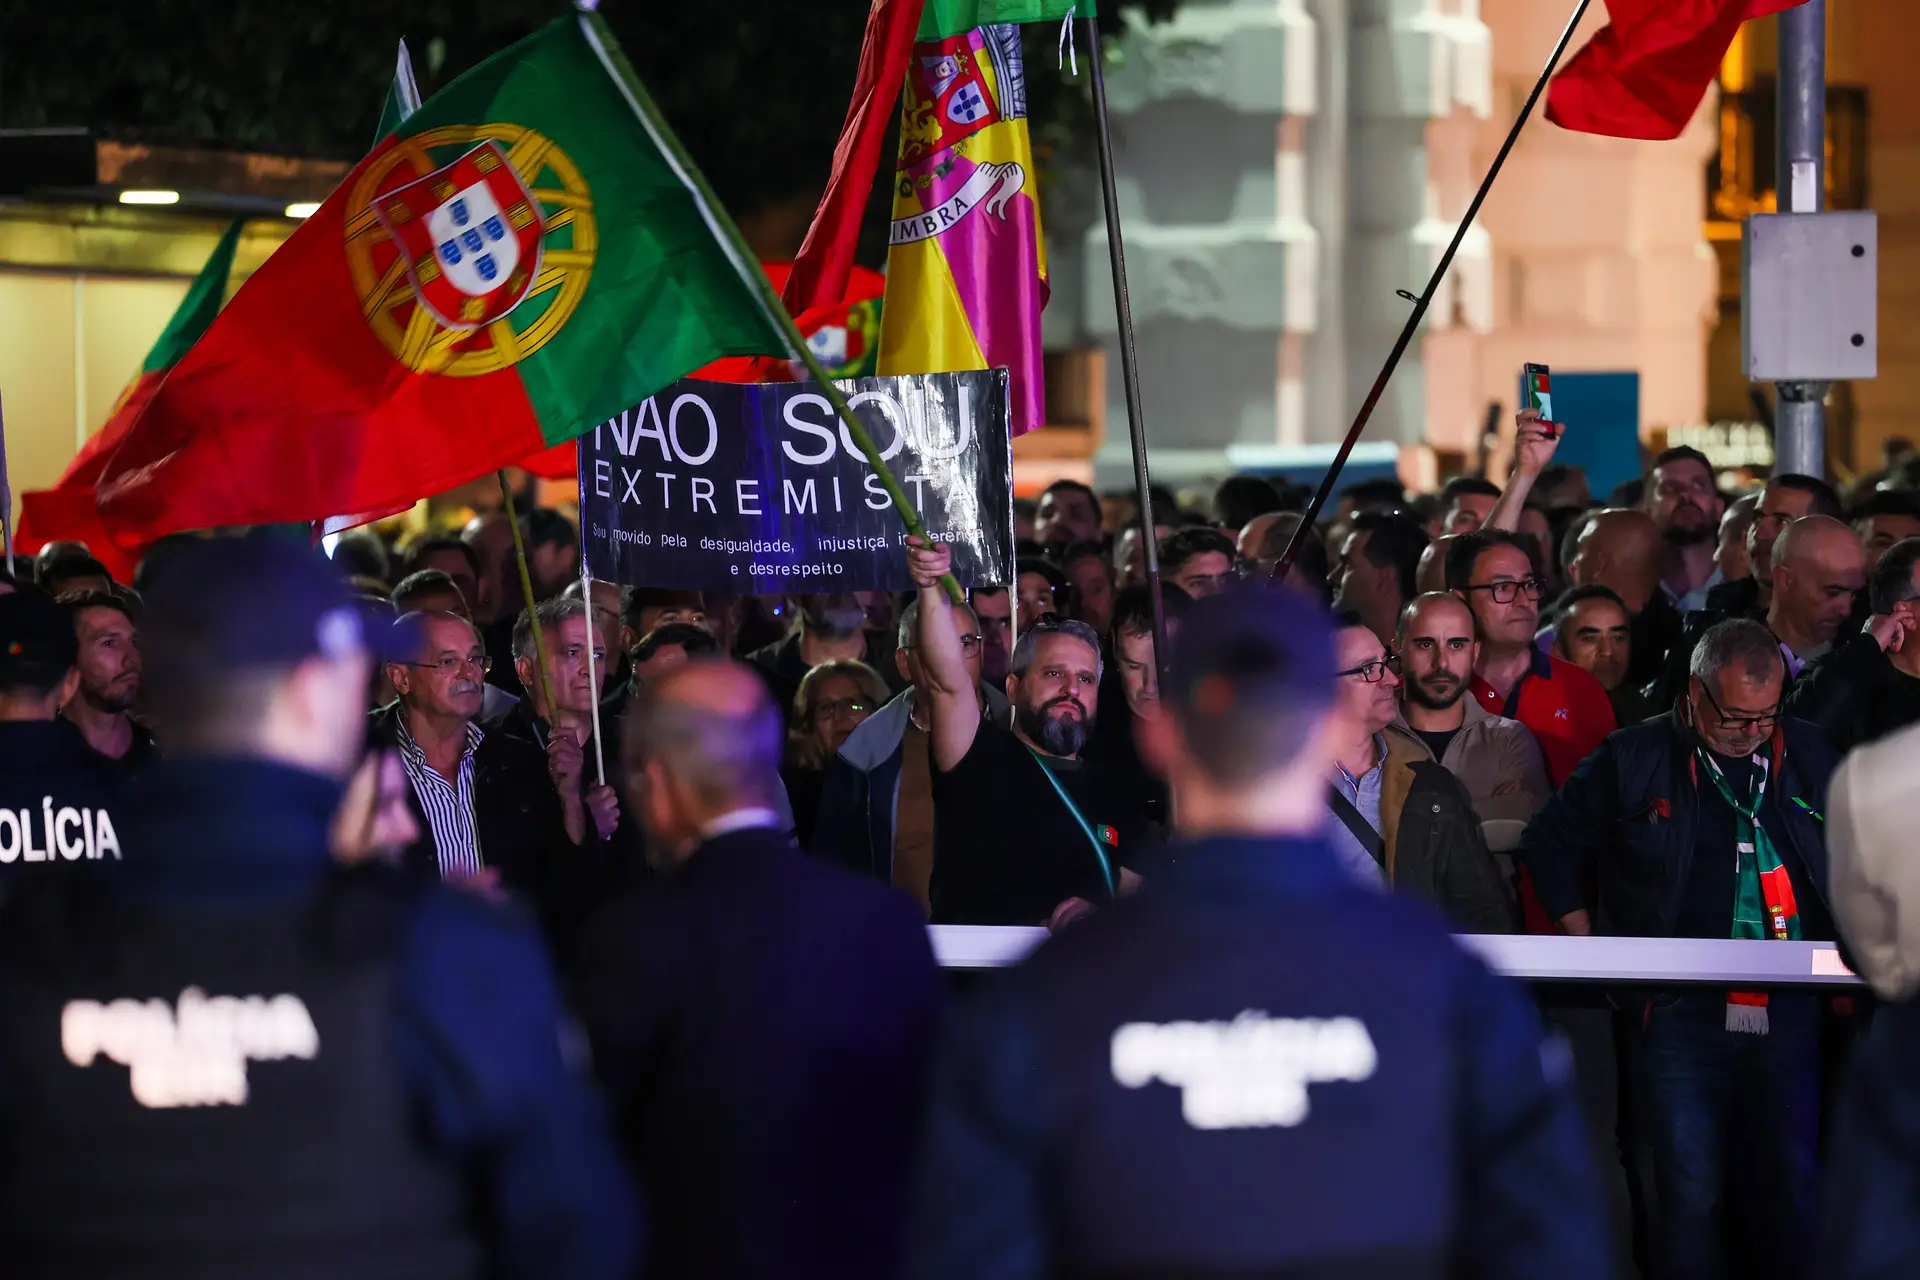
[(833, 700)]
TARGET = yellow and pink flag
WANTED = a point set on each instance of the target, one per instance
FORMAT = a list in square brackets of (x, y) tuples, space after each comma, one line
[(966, 265)]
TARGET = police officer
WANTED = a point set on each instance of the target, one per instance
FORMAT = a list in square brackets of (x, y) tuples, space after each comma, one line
[(1254, 1066), (57, 807), (234, 1057)]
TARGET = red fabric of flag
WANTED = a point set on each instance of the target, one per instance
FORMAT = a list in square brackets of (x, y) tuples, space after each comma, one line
[(820, 273), (1644, 73)]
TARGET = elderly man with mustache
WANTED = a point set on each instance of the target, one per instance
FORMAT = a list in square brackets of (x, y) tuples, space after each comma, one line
[(487, 811)]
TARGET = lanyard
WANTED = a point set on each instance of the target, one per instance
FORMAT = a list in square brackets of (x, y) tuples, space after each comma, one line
[(1099, 850)]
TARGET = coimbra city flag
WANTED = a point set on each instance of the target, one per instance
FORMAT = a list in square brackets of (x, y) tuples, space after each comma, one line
[(955, 17), (525, 256), (966, 267)]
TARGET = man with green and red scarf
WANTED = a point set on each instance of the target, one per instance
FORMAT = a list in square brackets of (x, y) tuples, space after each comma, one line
[(1706, 822)]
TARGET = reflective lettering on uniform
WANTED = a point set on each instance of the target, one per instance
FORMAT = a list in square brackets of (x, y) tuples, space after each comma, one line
[(30, 853), (1249, 1073), (78, 848), (9, 836), (196, 1057), (103, 836)]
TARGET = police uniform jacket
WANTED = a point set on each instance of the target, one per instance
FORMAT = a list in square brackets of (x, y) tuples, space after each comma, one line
[(420, 1123), (59, 800), (1254, 1067)]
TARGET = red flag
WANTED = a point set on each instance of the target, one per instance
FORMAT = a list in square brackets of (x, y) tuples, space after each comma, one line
[(1645, 72), (70, 510), (820, 273)]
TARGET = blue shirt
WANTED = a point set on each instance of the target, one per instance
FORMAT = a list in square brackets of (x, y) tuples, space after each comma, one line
[(1364, 793)]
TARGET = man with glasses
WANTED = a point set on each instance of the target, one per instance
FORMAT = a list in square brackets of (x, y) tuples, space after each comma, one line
[(565, 730), (876, 802), (1405, 822), (1706, 822), (1566, 708), (487, 813)]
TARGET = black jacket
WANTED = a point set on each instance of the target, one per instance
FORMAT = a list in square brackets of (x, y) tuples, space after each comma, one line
[(1433, 846), (1854, 695), (64, 797), (1631, 810), (761, 1022), (1095, 1111), (522, 830)]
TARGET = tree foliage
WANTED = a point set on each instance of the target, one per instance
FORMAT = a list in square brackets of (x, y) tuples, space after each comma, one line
[(757, 89)]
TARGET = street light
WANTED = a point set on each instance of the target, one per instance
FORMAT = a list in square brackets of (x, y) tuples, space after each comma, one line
[(149, 197)]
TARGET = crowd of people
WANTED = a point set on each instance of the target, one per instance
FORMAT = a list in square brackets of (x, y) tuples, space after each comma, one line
[(1544, 714)]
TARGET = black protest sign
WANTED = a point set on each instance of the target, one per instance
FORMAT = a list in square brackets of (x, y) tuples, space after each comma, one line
[(759, 490)]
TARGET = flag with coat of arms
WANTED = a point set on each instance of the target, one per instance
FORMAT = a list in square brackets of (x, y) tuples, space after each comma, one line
[(526, 255)]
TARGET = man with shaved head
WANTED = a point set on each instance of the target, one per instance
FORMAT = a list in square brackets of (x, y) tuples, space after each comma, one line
[(760, 1020), (1819, 569), (1495, 759), (1623, 550)]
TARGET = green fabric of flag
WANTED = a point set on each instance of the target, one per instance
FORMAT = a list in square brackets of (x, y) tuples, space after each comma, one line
[(942, 18), (528, 254)]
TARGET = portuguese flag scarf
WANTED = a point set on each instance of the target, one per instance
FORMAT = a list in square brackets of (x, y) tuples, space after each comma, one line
[(525, 256), (1763, 903)]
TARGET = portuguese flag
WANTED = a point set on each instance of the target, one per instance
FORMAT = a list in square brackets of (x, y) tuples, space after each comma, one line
[(526, 255), (68, 511)]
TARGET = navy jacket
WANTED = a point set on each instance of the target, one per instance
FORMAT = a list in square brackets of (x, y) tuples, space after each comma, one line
[(1631, 809), (477, 1024), (1254, 1067), (761, 1022)]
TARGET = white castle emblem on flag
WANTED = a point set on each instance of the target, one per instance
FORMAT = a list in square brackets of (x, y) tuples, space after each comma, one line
[(473, 242)]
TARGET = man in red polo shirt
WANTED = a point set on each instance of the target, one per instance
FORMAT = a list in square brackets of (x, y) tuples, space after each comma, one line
[(1566, 708)]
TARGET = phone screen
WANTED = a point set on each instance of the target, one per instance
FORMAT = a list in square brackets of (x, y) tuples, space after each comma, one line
[(1540, 391)]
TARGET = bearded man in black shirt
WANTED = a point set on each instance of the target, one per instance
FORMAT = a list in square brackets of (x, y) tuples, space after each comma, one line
[(1025, 831)]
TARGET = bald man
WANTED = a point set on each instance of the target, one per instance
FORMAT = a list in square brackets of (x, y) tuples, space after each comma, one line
[(1497, 760), (1819, 569), (1431, 576), (760, 1020), (1624, 551)]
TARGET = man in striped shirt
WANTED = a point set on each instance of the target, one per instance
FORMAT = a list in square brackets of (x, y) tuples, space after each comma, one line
[(440, 695), (486, 805)]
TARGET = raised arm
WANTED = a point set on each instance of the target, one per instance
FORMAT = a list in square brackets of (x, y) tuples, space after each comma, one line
[(954, 710), (1532, 451)]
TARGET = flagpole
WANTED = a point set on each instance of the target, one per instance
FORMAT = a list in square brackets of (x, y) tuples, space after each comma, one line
[(1129, 361), (746, 265), (543, 671), (6, 494), (593, 631), (1421, 303)]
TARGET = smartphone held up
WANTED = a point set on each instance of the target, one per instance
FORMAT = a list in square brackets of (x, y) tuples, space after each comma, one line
[(1539, 397)]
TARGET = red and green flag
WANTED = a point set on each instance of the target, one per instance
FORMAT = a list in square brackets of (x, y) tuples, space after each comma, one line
[(526, 255), (943, 18), (69, 511)]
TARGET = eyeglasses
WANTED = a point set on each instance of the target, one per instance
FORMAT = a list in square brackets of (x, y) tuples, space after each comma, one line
[(1376, 671), (834, 708), (451, 665), (1740, 724), (1506, 592)]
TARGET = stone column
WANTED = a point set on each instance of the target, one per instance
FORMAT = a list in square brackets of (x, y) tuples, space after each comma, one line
[(1210, 115)]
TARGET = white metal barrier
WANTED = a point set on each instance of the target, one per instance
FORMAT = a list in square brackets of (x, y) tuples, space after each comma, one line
[(1717, 962)]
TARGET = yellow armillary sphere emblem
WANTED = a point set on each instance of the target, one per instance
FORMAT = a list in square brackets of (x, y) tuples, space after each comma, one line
[(470, 246)]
